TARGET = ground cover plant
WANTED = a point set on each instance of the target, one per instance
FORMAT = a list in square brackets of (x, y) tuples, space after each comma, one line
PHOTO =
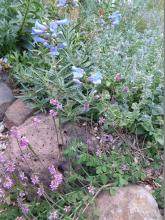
[(93, 62)]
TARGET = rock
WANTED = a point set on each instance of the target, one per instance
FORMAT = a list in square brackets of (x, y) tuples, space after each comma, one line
[(45, 148), (17, 113), (6, 98), (129, 203)]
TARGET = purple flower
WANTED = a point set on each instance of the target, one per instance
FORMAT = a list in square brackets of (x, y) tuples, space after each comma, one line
[(96, 78), (42, 41), (53, 215), (53, 113), (10, 167), (52, 169), (8, 183), (86, 107), (53, 27), (35, 179), (14, 132), (56, 181), (67, 209), (40, 191), (63, 22), (24, 143), (125, 89), (2, 158), (62, 3), (22, 176), (36, 120), (78, 73), (118, 77), (98, 153), (53, 102), (38, 28), (24, 209), (54, 51), (91, 190)]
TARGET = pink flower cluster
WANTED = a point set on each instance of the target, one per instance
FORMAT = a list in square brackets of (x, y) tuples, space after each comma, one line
[(91, 190), (56, 103), (35, 180), (53, 215), (8, 182), (22, 140), (56, 176)]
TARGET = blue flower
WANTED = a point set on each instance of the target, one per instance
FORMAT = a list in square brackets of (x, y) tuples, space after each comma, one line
[(78, 73), (96, 78), (62, 22), (115, 18), (61, 3), (53, 26), (42, 41), (38, 28), (62, 45), (54, 51)]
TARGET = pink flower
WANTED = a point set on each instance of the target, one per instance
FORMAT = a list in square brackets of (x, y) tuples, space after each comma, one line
[(118, 77), (53, 215), (53, 102), (14, 132), (40, 191), (53, 113), (24, 209), (86, 107), (56, 181), (2, 158), (59, 106), (24, 142), (8, 183), (10, 167), (125, 89), (67, 209), (91, 190), (35, 179), (19, 218)]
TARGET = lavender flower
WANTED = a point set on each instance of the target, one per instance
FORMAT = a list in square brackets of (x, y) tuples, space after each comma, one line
[(118, 77), (115, 18), (67, 209), (53, 215), (53, 27), (2, 158), (61, 45), (78, 73), (98, 153), (38, 28), (40, 191), (56, 181), (24, 142), (24, 209), (96, 78), (10, 167), (35, 179), (52, 169), (42, 41), (53, 102), (8, 183), (22, 176)]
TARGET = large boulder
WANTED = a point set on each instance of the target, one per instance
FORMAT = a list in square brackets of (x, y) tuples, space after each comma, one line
[(129, 203), (17, 113), (6, 98)]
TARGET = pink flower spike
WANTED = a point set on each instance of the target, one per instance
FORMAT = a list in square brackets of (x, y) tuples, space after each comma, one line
[(57, 180), (24, 142), (35, 179), (118, 77), (53, 215), (53, 113), (91, 190), (52, 169), (14, 132), (53, 102)]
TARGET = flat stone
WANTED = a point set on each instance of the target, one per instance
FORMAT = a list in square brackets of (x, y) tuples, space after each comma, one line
[(129, 203), (6, 98), (17, 113)]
